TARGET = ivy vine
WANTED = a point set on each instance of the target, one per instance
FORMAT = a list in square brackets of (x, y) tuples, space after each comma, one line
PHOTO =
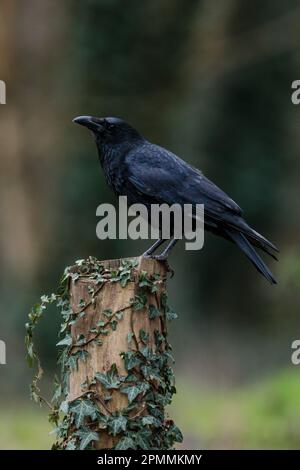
[(149, 384)]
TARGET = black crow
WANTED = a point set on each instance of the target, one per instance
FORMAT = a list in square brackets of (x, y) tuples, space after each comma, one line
[(149, 174)]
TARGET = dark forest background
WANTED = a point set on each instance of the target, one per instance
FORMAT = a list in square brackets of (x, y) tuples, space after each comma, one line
[(212, 82)]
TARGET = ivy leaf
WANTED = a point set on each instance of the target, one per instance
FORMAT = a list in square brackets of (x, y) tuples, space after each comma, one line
[(131, 360), (30, 354), (174, 433), (125, 443), (125, 277), (153, 312), (142, 439), (117, 424), (143, 280), (130, 335), (98, 278), (66, 341), (81, 303), (94, 330), (144, 337), (146, 352), (64, 407), (139, 302), (72, 361), (103, 331), (110, 379), (108, 312), (71, 445), (86, 436), (57, 391), (83, 409), (151, 420), (151, 373), (130, 378), (80, 340), (131, 392), (163, 300), (170, 314), (113, 324), (159, 338), (80, 262), (144, 386)]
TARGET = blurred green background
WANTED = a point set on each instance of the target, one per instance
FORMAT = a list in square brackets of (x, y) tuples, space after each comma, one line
[(212, 82)]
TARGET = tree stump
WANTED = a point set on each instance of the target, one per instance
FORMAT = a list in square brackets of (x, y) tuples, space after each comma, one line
[(127, 327)]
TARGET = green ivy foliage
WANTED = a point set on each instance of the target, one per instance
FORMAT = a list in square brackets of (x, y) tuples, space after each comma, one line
[(149, 384)]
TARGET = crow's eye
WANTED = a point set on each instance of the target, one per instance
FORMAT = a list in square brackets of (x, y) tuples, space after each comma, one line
[(111, 127)]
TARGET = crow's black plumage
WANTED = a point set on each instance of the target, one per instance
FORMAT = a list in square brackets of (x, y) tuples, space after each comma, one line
[(149, 174)]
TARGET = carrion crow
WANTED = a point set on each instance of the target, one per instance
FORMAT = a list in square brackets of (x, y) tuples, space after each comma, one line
[(149, 174)]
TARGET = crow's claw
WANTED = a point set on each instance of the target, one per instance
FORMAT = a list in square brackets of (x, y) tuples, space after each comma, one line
[(160, 257)]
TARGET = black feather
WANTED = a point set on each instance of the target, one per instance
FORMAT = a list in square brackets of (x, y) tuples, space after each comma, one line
[(251, 254)]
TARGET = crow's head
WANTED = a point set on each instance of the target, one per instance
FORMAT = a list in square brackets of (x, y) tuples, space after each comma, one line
[(108, 130)]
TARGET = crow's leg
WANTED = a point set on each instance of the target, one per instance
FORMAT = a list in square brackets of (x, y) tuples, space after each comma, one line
[(153, 247), (164, 254)]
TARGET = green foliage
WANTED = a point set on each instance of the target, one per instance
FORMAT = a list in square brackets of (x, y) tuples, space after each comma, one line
[(153, 311), (132, 392), (263, 415), (110, 380), (149, 383), (125, 443), (117, 424), (86, 436)]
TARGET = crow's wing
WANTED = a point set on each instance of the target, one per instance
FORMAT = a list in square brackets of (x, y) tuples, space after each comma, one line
[(161, 175)]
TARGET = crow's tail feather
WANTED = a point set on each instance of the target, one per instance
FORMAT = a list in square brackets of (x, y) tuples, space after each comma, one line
[(255, 238), (244, 244), (264, 242), (258, 244)]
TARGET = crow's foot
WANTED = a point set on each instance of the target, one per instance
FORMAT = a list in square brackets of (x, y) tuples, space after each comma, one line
[(163, 258), (160, 257)]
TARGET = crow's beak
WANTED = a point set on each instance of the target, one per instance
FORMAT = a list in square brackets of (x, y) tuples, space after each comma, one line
[(90, 122)]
